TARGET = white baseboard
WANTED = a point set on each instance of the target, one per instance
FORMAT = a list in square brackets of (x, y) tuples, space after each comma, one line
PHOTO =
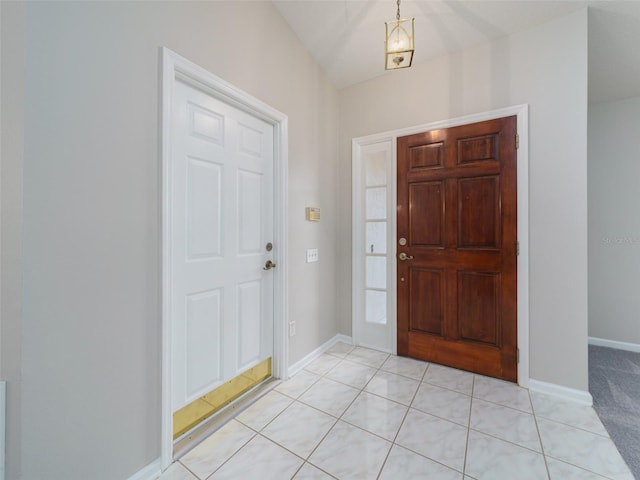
[(150, 472), (307, 359), (342, 338), (3, 424), (154, 469), (603, 342), (579, 396)]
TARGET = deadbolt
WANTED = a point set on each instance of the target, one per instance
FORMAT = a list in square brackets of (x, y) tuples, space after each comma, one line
[(269, 246), (402, 241)]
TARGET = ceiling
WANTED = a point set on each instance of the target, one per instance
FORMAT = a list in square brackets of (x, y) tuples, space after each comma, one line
[(346, 37)]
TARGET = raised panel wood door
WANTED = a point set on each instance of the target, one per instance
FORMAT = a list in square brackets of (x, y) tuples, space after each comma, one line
[(222, 218), (457, 296)]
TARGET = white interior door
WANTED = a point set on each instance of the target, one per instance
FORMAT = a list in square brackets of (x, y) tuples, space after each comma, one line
[(221, 205)]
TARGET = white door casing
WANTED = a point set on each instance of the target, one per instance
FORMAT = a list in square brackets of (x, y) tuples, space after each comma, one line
[(364, 150), (222, 210), (224, 164)]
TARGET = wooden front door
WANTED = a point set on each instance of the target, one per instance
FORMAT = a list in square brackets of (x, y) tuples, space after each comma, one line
[(457, 247)]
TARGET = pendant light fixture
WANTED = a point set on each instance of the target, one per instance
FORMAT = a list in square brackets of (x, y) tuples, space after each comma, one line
[(399, 42)]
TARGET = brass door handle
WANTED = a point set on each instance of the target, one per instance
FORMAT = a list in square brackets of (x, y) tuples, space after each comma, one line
[(403, 256), (269, 265)]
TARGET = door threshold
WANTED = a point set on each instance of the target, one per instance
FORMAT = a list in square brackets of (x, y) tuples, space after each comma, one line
[(194, 437)]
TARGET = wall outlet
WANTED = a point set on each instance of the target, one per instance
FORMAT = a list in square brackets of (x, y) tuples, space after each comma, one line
[(312, 255), (292, 329)]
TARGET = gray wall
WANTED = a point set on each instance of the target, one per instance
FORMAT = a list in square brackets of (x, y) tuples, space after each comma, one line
[(614, 223), (545, 67), (11, 168), (89, 370)]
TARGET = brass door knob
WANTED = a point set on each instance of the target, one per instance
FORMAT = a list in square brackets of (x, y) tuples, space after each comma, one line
[(269, 265), (403, 256)]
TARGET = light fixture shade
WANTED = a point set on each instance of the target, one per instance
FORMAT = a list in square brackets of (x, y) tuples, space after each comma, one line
[(398, 44)]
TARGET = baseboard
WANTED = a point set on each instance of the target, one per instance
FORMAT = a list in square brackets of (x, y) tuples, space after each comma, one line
[(154, 469), (342, 338), (307, 359), (3, 413), (150, 472), (603, 342), (579, 396)]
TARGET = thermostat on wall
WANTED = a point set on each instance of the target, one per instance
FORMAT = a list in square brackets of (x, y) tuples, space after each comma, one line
[(313, 214)]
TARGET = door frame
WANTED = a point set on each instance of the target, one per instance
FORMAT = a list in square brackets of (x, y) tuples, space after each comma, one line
[(175, 66), (358, 274)]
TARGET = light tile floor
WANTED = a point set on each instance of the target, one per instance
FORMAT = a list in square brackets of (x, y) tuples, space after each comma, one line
[(360, 414)]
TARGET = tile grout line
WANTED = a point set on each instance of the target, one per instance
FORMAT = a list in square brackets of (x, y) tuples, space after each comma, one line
[(404, 418), (234, 453), (304, 460), (259, 432), (320, 377), (337, 418), (420, 382), (409, 408), (466, 448), (191, 471), (535, 419), (361, 390), (386, 457)]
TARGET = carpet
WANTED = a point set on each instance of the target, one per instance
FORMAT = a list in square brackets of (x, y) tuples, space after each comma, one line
[(614, 383)]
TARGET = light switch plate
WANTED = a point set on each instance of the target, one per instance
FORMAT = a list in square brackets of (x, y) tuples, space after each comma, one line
[(312, 255)]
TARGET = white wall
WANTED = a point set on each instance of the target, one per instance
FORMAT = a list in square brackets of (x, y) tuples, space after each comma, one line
[(90, 324), (614, 224), (11, 156), (545, 67)]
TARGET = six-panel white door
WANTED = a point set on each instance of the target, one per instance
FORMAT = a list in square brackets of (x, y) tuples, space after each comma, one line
[(221, 221)]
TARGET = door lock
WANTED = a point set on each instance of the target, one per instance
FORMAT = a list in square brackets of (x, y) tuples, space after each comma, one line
[(269, 265), (403, 256)]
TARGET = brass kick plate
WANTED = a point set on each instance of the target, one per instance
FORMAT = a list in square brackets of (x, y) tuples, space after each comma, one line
[(199, 410)]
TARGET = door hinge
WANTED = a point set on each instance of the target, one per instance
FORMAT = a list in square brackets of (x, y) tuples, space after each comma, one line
[(517, 248), (517, 141), (517, 355)]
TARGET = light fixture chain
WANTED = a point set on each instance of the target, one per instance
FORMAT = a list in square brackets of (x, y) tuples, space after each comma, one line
[(398, 12)]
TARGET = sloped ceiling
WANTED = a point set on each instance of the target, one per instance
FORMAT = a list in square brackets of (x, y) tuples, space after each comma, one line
[(347, 36)]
